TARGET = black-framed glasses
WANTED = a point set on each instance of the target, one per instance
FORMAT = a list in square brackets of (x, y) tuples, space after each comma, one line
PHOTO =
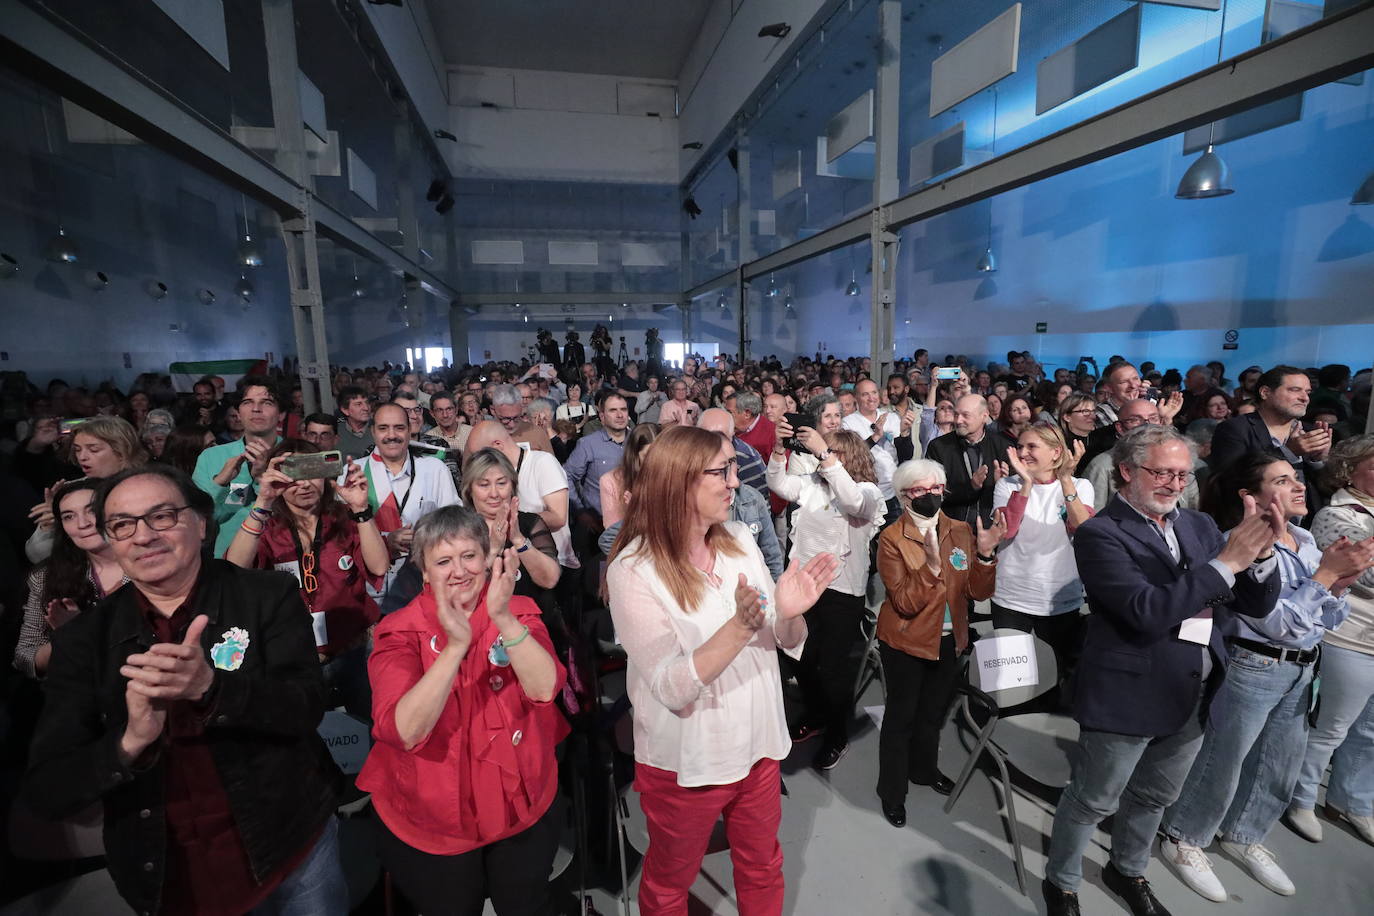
[(725, 470), (1183, 477), (163, 518)]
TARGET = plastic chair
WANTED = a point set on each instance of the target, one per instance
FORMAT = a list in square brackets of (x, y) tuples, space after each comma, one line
[(971, 697)]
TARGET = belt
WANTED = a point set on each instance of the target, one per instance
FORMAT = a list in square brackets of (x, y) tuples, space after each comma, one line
[(1301, 656)]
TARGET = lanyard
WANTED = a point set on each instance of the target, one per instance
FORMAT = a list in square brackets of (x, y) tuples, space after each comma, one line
[(374, 502)]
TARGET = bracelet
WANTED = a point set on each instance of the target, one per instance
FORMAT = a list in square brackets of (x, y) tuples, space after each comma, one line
[(516, 641), (824, 456), (363, 516), (987, 559), (255, 532), (260, 513)]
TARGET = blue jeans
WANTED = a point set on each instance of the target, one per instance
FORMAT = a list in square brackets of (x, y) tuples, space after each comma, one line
[(1346, 715), (1243, 777), (317, 886), (1134, 777)]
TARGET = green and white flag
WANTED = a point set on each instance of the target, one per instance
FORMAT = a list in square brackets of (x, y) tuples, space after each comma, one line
[(185, 375)]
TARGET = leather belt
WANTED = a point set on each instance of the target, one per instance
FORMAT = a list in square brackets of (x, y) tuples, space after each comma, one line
[(1301, 656)]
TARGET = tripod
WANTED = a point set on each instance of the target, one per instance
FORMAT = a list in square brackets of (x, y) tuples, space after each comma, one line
[(622, 357)]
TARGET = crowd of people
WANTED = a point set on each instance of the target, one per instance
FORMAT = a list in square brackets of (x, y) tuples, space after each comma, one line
[(456, 556)]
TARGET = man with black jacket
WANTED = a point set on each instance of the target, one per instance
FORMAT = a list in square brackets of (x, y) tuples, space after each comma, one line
[(969, 456), (188, 704)]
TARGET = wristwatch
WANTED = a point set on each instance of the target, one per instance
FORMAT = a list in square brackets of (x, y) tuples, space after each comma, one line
[(523, 547), (1070, 497), (363, 516)]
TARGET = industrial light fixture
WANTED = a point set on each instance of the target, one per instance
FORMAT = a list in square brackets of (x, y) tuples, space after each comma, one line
[(445, 204), (156, 289), (385, 2), (244, 290), (249, 255), (96, 280), (436, 190), (1208, 176), (772, 291), (853, 288), (721, 303), (988, 263), (61, 249), (1364, 194), (695, 144), (206, 296), (689, 206), (9, 266), (358, 290), (441, 134), (775, 30)]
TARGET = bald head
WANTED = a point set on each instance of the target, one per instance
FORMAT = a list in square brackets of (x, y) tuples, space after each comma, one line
[(491, 434), (970, 416), (717, 421), (1139, 412)]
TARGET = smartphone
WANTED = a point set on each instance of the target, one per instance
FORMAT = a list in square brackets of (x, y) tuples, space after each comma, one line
[(796, 421), (66, 426), (313, 465), (946, 374)]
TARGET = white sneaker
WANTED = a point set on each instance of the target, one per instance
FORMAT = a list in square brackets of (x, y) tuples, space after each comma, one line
[(1194, 868), (1304, 823), (1363, 824), (1261, 865)]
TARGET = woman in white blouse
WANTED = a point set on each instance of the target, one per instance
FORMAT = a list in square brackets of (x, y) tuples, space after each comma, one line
[(838, 510), (701, 619)]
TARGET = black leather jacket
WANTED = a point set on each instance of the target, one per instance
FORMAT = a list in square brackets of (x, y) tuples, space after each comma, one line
[(262, 720)]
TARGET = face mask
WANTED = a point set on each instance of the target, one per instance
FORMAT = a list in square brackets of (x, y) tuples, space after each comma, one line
[(928, 504)]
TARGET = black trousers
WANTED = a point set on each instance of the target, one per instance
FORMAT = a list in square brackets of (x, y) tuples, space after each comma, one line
[(513, 872), (1064, 634), (919, 691), (829, 664)]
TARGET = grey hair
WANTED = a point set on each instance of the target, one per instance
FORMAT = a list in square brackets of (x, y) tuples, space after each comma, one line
[(483, 460), (506, 396), (816, 406), (1201, 430), (540, 406), (1132, 448), (749, 402), (1347, 456), (448, 524), (908, 472)]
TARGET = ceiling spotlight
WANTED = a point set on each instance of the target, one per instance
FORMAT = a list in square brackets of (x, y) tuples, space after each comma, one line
[(776, 30), (787, 302), (695, 144), (437, 189), (1207, 177), (9, 266), (156, 289), (721, 303), (244, 290), (206, 296), (358, 291), (1365, 193), (445, 204), (772, 290), (445, 135), (689, 206), (527, 319), (249, 255), (61, 249), (625, 305), (853, 288), (987, 263), (96, 279)]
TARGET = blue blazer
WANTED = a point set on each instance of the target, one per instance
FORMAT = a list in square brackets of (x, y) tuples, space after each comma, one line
[(1135, 676)]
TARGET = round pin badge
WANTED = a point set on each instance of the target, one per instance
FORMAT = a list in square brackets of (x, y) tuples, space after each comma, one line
[(345, 562)]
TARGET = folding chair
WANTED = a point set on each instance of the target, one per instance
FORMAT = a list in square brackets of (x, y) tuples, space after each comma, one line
[(870, 662), (971, 697)]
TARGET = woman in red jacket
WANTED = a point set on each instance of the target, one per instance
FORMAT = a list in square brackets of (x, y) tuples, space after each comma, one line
[(462, 775)]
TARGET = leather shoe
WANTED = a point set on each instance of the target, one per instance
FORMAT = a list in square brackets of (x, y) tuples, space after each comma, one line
[(895, 814), (942, 784), (1059, 902), (1135, 891)]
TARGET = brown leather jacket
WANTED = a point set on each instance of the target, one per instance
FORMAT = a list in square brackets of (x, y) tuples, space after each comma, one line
[(913, 614)]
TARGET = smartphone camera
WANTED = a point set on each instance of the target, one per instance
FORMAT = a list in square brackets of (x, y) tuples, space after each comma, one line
[(796, 421)]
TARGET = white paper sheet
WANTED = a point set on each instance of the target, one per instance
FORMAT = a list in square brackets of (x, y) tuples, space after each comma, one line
[(1006, 661)]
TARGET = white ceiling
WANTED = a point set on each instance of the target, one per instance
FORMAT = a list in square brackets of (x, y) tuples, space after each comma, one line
[(643, 38)]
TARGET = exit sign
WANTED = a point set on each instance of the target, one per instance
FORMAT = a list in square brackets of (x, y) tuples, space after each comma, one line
[(1042, 327)]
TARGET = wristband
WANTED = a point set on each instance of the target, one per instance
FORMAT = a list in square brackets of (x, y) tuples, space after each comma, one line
[(521, 549), (363, 516), (259, 513), (514, 642), (987, 559)]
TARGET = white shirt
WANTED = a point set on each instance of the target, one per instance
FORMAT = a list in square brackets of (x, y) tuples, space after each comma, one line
[(885, 451), (540, 475), (833, 515), (1036, 570), (708, 734), (423, 484)]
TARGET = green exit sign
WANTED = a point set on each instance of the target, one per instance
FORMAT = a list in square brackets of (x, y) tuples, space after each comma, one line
[(1042, 327)]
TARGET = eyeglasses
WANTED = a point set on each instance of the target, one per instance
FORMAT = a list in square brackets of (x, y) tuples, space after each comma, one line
[(1183, 477), (724, 471), (1082, 411), (163, 518), (917, 492), (308, 573), (1133, 422), (509, 421)]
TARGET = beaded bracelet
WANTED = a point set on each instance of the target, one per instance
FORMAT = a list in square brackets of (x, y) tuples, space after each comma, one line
[(517, 640)]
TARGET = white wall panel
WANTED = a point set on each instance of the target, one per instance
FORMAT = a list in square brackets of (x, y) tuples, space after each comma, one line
[(977, 62)]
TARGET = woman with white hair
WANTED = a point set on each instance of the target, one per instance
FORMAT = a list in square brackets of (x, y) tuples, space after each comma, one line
[(933, 567)]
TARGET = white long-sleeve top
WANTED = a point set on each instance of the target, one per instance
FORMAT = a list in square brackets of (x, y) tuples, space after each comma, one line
[(708, 734), (834, 515)]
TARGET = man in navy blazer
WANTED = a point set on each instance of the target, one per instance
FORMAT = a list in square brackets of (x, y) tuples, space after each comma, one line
[(1162, 584)]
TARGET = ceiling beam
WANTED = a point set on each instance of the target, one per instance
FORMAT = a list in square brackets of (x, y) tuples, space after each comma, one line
[(607, 299)]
